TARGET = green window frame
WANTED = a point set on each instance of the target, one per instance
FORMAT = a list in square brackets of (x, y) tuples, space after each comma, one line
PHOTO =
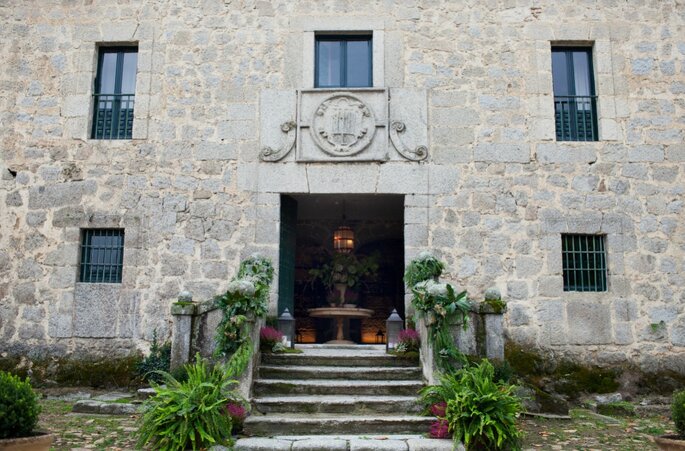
[(575, 102), (343, 61), (584, 262), (102, 255), (114, 93)]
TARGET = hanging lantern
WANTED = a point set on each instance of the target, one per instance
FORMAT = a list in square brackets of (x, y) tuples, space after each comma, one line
[(286, 325), (343, 240), (393, 327)]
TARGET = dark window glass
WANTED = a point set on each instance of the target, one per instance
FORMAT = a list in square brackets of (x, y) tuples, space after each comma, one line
[(102, 255), (115, 86), (584, 262), (575, 103), (343, 61)]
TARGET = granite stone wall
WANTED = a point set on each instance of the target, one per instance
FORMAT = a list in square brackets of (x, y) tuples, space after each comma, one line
[(492, 197)]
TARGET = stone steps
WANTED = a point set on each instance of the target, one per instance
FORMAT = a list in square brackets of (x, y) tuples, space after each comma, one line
[(339, 372), (336, 390), (357, 405), (268, 425), (273, 387), (341, 360)]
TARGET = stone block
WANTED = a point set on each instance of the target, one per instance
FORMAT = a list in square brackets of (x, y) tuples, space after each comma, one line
[(214, 151), (504, 153), (262, 444), (517, 289), (72, 216), (645, 154), (623, 333), (377, 445), (403, 177), (442, 179), (550, 286), (588, 322), (343, 178), (60, 194), (675, 152), (25, 293), (96, 310), (282, 177), (316, 444), (554, 153)]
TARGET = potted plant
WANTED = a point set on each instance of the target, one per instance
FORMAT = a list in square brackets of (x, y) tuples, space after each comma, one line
[(344, 271), (19, 411), (675, 442)]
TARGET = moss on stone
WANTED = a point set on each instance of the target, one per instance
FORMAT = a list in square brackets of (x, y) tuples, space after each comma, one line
[(617, 409)]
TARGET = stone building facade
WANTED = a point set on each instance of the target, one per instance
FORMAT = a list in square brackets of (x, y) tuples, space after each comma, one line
[(486, 183)]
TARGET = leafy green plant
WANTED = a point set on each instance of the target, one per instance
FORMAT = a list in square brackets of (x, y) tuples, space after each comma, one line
[(345, 269), (424, 267), (19, 407), (158, 359), (678, 412), (189, 414), (483, 414), (247, 295), (441, 306)]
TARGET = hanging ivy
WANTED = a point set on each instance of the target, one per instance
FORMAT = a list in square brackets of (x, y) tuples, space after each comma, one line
[(440, 306), (247, 296)]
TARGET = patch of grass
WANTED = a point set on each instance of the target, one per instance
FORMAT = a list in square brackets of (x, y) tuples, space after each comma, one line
[(617, 409)]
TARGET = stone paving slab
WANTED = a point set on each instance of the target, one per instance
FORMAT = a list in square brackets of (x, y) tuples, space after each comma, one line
[(103, 408), (345, 442)]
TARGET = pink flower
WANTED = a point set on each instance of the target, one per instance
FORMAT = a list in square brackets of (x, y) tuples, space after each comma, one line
[(270, 335), (439, 429), (236, 412), (438, 409)]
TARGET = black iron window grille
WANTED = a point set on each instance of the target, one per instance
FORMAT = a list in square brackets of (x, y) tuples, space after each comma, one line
[(343, 61), (584, 262), (102, 255), (575, 102), (114, 96)]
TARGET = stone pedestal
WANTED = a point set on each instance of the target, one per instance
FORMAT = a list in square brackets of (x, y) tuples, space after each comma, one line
[(182, 328)]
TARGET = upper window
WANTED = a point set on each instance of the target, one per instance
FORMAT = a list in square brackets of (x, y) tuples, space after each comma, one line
[(343, 61), (575, 106), (115, 87), (584, 262), (102, 255)]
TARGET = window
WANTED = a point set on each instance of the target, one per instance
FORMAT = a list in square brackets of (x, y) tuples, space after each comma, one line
[(115, 86), (584, 262), (575, 103), (343, 61), (102, 255)]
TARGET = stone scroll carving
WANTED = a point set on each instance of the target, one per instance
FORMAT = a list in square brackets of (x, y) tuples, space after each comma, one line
[(270, 154), (417, 154)]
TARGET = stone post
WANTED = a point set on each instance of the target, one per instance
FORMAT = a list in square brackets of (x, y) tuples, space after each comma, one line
[(492, 312), (182, 313)]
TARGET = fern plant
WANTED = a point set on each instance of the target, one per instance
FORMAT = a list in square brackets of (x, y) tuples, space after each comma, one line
[(678, 412), (482, 413), (158, 359), (424, 267), (189, 414)]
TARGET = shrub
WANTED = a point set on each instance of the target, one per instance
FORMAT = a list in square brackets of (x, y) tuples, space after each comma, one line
[(678, 412), (268, 337), (19, 407), (408, 341), (190, 414), (483, 413), (158, 359)]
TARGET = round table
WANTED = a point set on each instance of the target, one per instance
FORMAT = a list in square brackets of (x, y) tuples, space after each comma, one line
[(340, 313)]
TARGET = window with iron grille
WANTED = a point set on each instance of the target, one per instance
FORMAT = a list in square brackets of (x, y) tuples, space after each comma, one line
[(584, 262), (114, 97), (575, 102), (343, 61), (102, 255)]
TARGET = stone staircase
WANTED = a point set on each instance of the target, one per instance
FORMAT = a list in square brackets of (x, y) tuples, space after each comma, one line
[(338, 389)]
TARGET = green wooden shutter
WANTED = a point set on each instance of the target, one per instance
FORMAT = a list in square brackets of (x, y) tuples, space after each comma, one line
[(286, 256)]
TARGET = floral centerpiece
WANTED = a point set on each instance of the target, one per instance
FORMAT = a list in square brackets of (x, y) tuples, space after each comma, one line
[(345, 271)]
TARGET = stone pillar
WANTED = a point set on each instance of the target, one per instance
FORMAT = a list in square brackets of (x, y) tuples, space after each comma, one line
[(182, 329), (494, 335)]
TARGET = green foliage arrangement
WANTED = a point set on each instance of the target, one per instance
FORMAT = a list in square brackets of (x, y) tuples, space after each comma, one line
[(247, 295), (424, 267), (480, 412), (345, 269), (440, 306), (189, 414), (19, 407), (159, 359), (678, 412)]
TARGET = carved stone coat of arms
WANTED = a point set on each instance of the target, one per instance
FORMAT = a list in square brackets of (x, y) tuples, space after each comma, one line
[(343, 125)]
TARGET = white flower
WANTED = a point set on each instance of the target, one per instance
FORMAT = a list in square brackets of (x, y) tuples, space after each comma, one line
[(425, 255), (244, 287), (437, 289)]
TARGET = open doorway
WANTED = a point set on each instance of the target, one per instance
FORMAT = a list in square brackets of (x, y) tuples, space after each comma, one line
[(362, 272)]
